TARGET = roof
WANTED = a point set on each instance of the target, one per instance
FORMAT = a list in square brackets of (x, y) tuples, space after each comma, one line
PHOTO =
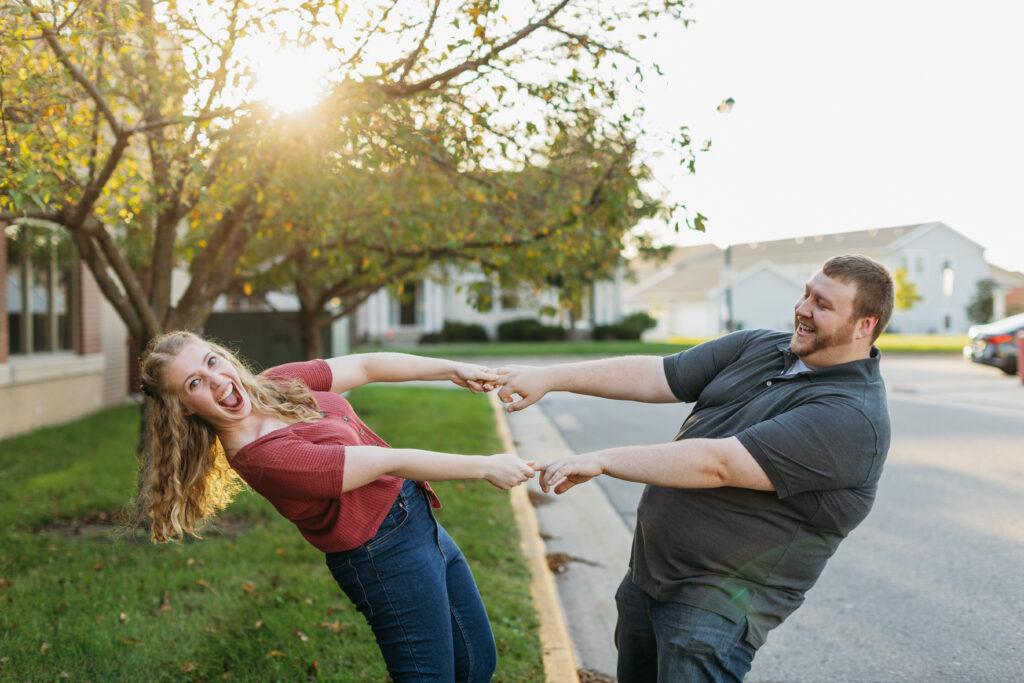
[(690, 273)]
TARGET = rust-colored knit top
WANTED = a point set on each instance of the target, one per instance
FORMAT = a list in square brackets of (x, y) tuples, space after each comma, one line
[(300, 468)]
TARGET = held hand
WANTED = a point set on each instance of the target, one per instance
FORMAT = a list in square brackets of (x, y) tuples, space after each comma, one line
[(476, 378), (562, 475), (528, 382), (505, 470)]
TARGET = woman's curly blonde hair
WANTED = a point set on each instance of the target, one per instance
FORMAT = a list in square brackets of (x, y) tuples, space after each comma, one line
[(185, 477)]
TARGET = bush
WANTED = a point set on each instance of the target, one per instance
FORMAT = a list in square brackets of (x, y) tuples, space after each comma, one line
[(529, 329), (453, 331), (631, 327)]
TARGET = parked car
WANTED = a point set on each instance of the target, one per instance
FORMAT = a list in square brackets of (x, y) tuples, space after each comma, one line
[(996, 343)]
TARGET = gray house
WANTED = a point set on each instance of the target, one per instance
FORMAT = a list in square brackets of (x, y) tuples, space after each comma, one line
[(689, 294)]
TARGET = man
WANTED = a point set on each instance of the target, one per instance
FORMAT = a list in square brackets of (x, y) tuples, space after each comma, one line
[(778, 461)]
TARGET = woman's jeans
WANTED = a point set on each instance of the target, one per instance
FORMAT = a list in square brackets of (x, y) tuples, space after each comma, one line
[(668, 641), (414, 587)]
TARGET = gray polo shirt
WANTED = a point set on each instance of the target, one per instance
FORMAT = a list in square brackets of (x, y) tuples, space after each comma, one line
[(821, 437)]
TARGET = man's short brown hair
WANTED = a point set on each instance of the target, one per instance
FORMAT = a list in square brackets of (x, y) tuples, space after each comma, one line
[(875, 291)]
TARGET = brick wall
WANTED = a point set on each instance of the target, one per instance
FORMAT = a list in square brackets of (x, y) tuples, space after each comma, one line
[(4, 346), (90, 338)]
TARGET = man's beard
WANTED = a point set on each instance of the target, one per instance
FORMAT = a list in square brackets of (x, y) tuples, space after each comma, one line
[(805, 346)]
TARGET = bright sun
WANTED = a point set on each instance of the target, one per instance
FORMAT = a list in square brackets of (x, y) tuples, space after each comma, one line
[(290, 79)]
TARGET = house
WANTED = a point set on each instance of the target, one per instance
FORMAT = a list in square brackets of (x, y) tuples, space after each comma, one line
[(694, 290), (63, 349), (427, 303)]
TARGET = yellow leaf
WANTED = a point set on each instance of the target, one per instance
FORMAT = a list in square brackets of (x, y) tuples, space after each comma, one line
[(275, 653), (315, 253), (247, 289), (217, 216), (202, 244)]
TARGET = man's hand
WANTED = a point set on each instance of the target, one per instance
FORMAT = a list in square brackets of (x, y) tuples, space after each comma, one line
[(530, 383), (476, 378), (562, 475)]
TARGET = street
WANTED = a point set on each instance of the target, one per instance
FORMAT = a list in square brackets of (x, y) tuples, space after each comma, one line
[(929, 586)]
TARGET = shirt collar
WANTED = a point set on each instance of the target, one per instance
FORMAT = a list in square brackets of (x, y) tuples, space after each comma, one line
[(865, 369)]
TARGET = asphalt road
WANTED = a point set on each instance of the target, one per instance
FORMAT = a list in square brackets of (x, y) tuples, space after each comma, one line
[(929, 587)]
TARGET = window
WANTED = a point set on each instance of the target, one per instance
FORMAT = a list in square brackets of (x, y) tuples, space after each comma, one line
[(510, 299), (407, 304), (39, 290)]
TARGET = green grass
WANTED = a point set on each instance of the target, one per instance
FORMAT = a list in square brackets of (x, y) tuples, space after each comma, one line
[(252, 601), (891, 343), (514, 349)]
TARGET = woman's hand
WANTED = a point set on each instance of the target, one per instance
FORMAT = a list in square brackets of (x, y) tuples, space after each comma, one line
[(476, 378), (505, 470)]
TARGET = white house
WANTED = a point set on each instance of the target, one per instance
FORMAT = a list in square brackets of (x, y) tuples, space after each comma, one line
[(689, 293), (427, 303)]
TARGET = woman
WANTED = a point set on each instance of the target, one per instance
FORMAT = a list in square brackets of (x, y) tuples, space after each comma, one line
[(291, 436)]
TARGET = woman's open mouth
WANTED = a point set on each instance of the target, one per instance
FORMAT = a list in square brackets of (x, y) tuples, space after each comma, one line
[(232, 400)]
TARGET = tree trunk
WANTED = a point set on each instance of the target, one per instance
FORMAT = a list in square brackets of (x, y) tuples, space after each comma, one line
[(310, 324)]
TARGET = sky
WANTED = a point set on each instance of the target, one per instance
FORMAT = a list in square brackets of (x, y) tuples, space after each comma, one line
[(847, 116)]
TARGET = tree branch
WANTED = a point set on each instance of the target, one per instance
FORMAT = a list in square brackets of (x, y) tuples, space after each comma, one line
[(404, 90)]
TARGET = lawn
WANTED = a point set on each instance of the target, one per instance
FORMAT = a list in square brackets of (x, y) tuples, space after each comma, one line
[(524, 349), (253, 600), (891, 343)]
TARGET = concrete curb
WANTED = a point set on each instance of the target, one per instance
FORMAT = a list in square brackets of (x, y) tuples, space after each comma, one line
[(556, 647)]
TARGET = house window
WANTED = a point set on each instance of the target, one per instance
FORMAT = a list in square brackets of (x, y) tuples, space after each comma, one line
[(39, 287), (509, 299), (407, 304)]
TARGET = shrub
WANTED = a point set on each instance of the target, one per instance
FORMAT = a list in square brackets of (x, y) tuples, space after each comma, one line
[(529, 329), (631, 327), (454, 331)]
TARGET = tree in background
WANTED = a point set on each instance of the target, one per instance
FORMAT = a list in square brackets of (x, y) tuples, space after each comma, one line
[(127, 123), (981, 307), (906, 291)]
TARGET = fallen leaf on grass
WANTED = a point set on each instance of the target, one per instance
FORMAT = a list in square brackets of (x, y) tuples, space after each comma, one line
[(335, 608), (279, 552), (123, 618), (300, 635), (165, 602), (275, 653), (258, 625), (129, 640), (98, 566), (249, 587), (4, 583), (43, 648), (333, 626), (314, 668), (188, 667), (202, 583)]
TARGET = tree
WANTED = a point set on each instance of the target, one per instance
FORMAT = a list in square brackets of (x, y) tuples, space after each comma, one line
[(980, 310), (906, 291), (125, 121)]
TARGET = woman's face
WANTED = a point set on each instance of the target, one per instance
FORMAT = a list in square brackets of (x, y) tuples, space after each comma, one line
[(207, 385)]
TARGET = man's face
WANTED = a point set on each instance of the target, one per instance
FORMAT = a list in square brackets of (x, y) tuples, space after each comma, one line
[(823, 316)]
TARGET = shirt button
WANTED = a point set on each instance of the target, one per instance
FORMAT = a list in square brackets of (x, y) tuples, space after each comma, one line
[(768, 383), (345, 418)]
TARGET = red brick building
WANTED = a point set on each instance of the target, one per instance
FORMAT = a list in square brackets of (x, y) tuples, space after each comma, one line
[(63, 351)]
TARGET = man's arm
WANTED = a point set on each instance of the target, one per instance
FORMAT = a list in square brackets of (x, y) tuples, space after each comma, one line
[(355, 370), (689, 464), (629, 378)]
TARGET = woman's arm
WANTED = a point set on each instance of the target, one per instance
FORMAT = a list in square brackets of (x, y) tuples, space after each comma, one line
[(365, 368), (364, 464)]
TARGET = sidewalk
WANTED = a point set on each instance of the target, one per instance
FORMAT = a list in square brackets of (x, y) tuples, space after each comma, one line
[(587, 543)]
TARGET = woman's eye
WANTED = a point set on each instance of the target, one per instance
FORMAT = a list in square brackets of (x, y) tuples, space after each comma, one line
[(212, 361), (193, 384)]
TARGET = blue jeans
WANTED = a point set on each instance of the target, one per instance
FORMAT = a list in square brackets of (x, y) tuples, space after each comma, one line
[(414, 587), (670, 641)]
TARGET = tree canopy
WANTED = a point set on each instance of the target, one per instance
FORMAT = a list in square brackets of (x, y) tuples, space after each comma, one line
[(130, 124)]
